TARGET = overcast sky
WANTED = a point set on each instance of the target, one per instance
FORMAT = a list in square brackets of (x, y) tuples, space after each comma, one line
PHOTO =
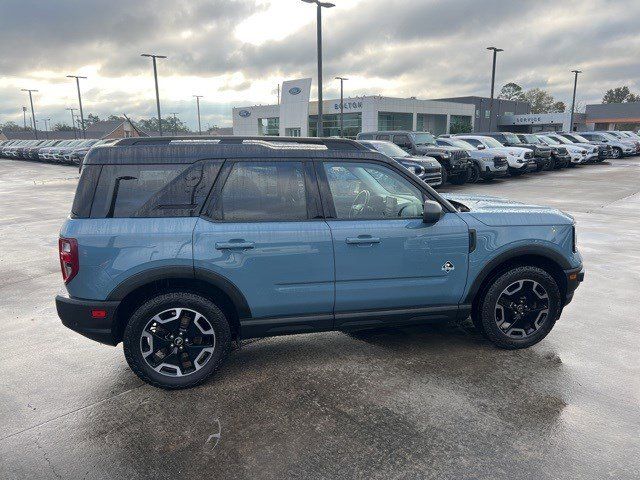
[(235, 52)]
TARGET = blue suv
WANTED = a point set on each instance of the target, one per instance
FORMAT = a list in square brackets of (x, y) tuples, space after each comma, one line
[(178, 247)]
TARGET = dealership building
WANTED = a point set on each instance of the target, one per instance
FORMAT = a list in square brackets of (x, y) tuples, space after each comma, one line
[(297, 116)]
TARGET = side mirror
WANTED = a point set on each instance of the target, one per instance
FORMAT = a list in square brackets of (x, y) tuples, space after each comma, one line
[(432, 212), (605, 140), (481, 147)]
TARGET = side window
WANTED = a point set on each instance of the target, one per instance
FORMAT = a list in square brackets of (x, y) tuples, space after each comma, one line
[(402, 141), (263, 191), (384, 137), (153, 190), (473, 141), (372, 191)]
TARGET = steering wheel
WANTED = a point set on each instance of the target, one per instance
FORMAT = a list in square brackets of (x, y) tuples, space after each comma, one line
[(359, 205)]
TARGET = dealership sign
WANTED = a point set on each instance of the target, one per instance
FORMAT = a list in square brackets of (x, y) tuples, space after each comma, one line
[(295, 90), (244, 113), (354, 105)]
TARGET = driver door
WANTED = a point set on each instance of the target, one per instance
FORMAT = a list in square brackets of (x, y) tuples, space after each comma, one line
[(386, 258)]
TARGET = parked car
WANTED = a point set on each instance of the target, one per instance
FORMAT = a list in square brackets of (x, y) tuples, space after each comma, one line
[(69, 154), (33, 152), (595, 151), (455, 162), (619, 148), (520, 160), (427, 169), (485, 165), (541, 154), (293, 240), (580, 154), (626, 138), (560, 157)]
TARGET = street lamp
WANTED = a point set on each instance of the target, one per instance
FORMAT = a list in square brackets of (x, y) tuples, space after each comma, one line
[(73, 121), (493, 84), (198, 97), (155, 77), (24, 117), (342, 80), (77, 77), (33, 115), (47, 126), (573, 102), (320, 6)]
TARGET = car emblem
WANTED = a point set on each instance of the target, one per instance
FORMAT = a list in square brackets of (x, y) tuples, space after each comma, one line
[(244, 113), (295, 90), (447, 267)]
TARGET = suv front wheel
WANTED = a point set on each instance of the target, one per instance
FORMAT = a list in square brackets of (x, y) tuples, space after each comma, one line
[(176, 340), (519, 308)]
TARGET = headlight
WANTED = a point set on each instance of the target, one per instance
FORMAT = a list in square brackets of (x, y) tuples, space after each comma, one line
[(583, 152), (446, 155)]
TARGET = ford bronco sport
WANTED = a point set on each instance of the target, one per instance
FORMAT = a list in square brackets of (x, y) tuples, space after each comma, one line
[(177, 247)]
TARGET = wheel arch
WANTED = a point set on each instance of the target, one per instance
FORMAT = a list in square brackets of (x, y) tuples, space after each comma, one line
[(549, 260), (144, 285)]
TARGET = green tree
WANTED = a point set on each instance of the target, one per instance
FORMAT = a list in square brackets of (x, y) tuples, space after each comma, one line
[(62, 127), (459, 124), (511, 91), (540, 100), (12, 127), (620, 95), (91, 119), (170, 125), (558, 107)]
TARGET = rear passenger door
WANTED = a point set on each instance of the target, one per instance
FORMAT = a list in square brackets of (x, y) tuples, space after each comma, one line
[(263, 231)]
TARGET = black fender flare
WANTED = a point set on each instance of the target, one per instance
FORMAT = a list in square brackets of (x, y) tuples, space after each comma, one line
[(146, 277), (535, 250)]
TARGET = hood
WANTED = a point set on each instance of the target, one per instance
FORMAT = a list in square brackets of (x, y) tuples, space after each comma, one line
[(421, 160), (500, 212), (435, 149)]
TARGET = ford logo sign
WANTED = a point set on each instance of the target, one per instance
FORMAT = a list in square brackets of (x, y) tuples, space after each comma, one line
[(244, 113), (295, 90)]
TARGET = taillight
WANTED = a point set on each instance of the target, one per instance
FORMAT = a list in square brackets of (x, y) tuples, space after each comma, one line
[(68, 248)]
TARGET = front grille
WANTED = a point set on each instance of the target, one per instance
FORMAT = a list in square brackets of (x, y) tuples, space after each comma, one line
[(561, 151), (528, 154), (544, 153), (458, 155), (499, 162)]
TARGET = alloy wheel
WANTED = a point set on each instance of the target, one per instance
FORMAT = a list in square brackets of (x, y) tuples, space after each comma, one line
[(522, 308), (177, 342)]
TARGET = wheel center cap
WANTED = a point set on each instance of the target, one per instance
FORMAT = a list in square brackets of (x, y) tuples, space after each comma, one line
[(178, 341)]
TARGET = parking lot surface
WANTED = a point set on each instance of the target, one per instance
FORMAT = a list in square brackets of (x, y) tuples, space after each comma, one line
[(420, 402)]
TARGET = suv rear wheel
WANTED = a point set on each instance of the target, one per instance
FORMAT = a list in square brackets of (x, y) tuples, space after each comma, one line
[(519, 308), (473, 173), (176, 340), (459, 178)]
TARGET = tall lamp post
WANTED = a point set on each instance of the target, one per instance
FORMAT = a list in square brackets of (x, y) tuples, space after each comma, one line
[(573, 102), (24, 117), (342, 80), (198, 97), (155, 78), (320, 6), (33, 114), (73, 121), (493, 84), (77, 77)]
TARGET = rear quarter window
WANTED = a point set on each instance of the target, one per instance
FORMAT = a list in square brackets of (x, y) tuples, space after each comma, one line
[(83, 199), (150, 191)]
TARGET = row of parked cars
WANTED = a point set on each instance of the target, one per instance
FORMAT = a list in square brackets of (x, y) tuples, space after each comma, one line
[(468, 158), (57, 151)]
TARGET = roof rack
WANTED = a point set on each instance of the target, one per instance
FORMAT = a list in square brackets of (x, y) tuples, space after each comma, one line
[(329, 143)]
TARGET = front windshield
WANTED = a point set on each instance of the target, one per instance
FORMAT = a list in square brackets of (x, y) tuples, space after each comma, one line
[(530, 138), (579, 138), (512, 138), (461, 144), (608, 136), (563, 140), (548, 140), (492, 142), (389, 149), (424, 139)]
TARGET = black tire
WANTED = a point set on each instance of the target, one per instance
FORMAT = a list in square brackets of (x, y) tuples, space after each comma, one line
[(141, 318), (459, 178), (487, 315), (445, 176), (473, 174), (551, 165), (540, 167), (515, 172), (616, 153)]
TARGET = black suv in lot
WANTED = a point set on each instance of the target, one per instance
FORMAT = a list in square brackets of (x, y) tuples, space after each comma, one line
[(455, 161), (541, 154), (560, 157)]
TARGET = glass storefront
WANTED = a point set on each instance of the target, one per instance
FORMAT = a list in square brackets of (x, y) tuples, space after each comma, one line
[(331, 125), (395, 121), (269, 126), (428, 122)]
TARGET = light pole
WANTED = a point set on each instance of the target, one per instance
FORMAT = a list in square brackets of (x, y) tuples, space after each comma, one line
[(33, 115), (47, 125), (198, 97), (78, 77), (342, 80), (493, 84), (320, 6), (573, 102), (155, 77), (73, 121)]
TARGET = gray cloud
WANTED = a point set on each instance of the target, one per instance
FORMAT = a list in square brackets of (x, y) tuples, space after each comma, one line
[(426, 48)]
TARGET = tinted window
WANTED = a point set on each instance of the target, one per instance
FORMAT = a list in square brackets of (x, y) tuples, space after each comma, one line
[(153, 190), (263, 191), (384, 137), (473, 141), (372, 191), (81, 207), (401, 140)]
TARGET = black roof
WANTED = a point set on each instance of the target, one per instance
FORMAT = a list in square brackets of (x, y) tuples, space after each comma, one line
[(192, 149)]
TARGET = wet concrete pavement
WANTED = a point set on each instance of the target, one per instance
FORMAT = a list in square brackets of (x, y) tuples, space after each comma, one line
[(422, 402)]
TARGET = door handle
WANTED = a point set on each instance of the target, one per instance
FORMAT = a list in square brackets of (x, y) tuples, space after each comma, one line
[(234, 245), (362, 240)]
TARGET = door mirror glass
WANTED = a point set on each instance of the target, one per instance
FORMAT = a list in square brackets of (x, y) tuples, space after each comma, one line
[(432, 212), (481, 147)]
